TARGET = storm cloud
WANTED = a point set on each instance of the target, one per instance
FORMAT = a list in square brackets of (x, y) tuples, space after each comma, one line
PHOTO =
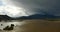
[(31, 7), (39, 6)]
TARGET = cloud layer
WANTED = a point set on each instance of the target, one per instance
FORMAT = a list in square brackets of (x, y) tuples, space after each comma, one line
[(31, 7), (11, 10), (39, 6)]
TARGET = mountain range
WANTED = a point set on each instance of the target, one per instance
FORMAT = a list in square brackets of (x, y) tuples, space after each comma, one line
[(36, 16)]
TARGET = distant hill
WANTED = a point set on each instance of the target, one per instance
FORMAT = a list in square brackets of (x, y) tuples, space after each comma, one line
[(36, 16), (5, 17), (39, 16)]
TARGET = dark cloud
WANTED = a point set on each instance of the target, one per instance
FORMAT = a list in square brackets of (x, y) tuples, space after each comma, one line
[(30, 7), (36, 6)]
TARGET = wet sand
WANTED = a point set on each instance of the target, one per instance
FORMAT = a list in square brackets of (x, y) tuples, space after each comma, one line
[(38, 26)]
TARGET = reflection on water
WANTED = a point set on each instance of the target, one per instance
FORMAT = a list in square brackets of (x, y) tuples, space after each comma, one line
[(4, 23)]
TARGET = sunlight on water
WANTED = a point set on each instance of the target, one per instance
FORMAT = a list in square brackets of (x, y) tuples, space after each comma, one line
[(15, 22)]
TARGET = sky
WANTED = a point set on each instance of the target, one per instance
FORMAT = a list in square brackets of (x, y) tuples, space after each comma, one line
[(11, 10), (39, 6), (30, 7)]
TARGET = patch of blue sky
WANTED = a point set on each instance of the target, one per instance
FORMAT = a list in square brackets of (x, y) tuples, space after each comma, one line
[(1, 3)]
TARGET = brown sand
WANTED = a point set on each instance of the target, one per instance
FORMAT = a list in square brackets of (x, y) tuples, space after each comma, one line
[(38, 26)]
